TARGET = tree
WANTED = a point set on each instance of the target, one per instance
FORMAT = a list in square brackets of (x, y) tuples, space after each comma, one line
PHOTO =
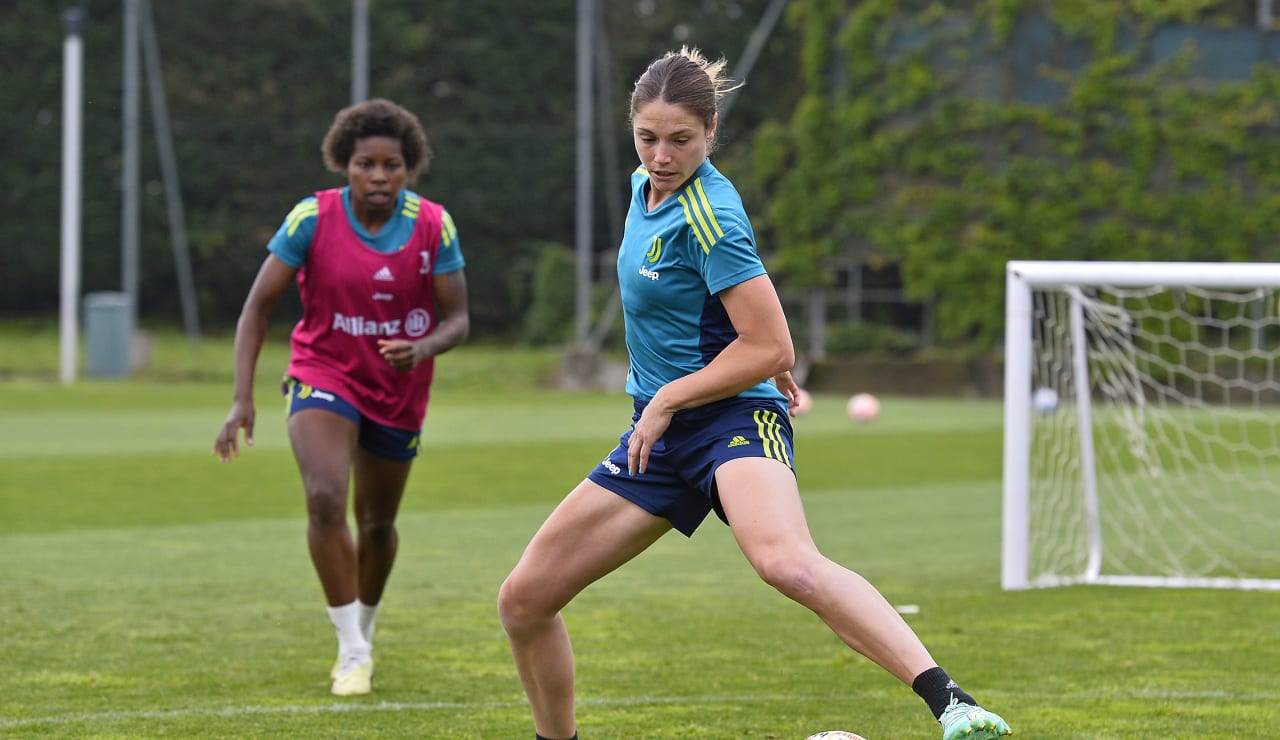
[(950, 140)]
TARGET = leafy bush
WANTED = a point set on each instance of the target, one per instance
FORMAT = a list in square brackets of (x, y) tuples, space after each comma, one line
[(550, 315)]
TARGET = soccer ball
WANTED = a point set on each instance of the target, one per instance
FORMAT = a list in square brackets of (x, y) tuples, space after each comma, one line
[(835, 735), (863, 407), (1045, 400), (804, 403)]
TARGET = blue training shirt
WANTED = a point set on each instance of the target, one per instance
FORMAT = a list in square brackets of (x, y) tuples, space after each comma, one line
[(672, 263), (292, 241)]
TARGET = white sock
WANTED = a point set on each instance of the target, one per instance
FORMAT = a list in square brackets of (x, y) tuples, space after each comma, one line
[(346, 622), (368, 616)]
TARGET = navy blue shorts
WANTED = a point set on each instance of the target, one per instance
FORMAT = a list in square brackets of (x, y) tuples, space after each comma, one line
[(679, 482), (384, 441)]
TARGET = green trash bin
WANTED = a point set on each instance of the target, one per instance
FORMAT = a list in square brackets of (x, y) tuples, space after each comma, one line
[(106, 325)]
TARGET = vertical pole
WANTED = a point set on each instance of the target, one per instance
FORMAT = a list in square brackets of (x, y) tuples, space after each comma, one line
[(129, 177), (72, 137), (359, 51), (817, 314), (615, 203), (582, 294), (169, 170), (1083, 392), (1017, 431)]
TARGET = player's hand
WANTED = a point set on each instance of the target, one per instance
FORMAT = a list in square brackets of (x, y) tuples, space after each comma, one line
[(401, 354), (650, 427), (787, 384), (227, 445)]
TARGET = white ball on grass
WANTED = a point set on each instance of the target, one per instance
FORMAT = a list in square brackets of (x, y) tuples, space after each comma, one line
[(863, 408), (1045, 400)]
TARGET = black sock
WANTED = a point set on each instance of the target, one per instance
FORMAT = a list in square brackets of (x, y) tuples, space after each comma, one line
[(937, 689), (540, 737)]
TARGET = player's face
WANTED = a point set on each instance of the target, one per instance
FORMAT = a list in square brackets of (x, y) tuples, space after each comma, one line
[(672, 144), (376, 173)]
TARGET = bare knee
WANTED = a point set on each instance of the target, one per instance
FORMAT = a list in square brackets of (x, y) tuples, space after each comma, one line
[(522, 606), (378, 533), (514, 610), (326, 504), (792, 574)]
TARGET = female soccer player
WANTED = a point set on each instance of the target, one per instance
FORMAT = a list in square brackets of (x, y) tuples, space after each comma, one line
[(380, 274), (710, 357)]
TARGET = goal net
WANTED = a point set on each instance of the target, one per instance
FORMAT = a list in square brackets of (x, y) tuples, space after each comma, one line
[(1142, 425)]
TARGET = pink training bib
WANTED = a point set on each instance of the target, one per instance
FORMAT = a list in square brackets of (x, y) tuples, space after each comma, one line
[(352, 296)]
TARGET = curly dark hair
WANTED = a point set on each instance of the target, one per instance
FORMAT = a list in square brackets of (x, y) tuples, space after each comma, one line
[(376, 117)]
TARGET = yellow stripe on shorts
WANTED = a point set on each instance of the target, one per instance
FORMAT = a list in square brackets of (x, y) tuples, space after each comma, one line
[(771, 436)]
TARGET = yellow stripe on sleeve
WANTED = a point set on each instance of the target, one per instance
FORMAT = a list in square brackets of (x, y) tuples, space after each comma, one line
[(699, 215), (706, 208), (701, 210), (412, 204), (300, 213), (447, 228), (693, 224)]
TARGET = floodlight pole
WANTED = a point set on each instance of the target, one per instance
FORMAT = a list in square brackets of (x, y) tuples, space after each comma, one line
[(359, 51), (583, 201), (72, 139), (130, 158), (614, 201)]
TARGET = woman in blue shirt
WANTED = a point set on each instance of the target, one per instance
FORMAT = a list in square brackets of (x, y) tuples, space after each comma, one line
[(710, 355)]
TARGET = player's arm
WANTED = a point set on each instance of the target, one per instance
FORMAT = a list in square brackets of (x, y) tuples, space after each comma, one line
[(273, 279), (762, 349), (453, 312)]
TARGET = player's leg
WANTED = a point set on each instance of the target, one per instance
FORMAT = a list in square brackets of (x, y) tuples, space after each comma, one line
[(762, 503), (592, 532), (379, 487), (323, 444)]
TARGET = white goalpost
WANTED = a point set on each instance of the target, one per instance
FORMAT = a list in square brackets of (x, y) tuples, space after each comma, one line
[(1141, 425)]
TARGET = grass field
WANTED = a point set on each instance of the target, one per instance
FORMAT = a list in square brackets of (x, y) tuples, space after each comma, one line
[(146, 590)]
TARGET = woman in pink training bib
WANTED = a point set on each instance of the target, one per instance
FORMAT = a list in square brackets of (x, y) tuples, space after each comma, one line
[(380, 273)]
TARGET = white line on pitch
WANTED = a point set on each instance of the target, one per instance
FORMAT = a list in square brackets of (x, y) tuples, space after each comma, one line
[(352, 707)]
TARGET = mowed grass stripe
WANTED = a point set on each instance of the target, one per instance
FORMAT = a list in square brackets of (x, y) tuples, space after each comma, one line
[(47, 493), (153, 465), (140, 418)]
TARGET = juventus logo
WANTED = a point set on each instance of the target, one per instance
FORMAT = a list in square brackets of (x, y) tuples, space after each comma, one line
[(655, 251), (426, 263)]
